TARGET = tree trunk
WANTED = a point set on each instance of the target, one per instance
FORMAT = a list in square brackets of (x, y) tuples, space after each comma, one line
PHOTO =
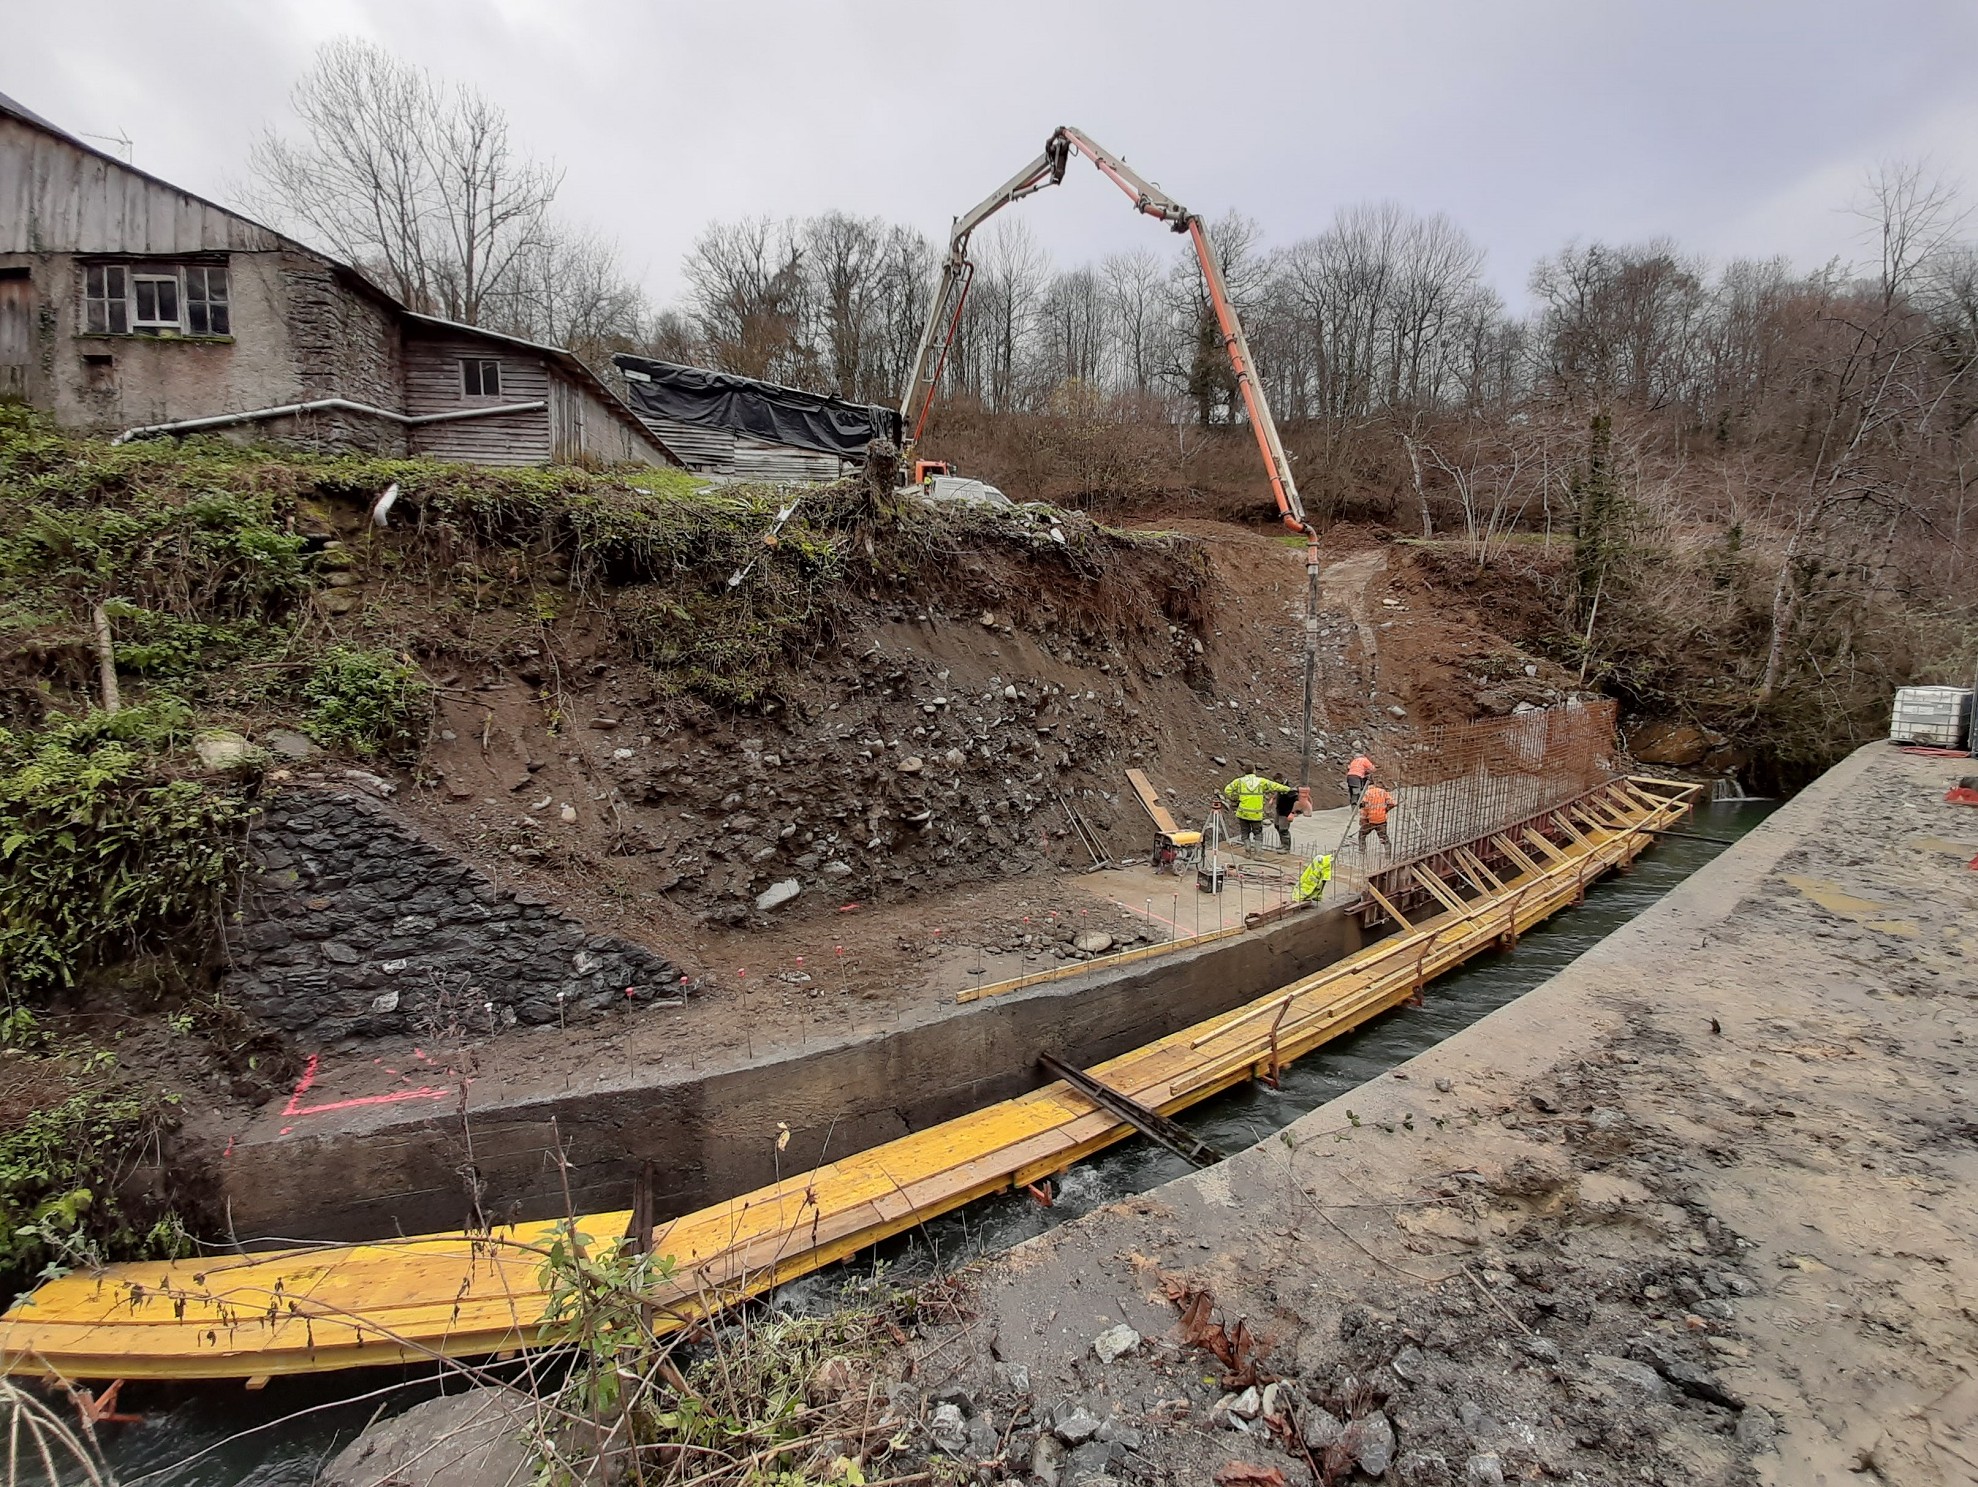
[(1785, 609), (106, 660), (1421, 493)]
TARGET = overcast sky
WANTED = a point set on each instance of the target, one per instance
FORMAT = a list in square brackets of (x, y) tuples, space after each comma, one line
[(1734, 126)]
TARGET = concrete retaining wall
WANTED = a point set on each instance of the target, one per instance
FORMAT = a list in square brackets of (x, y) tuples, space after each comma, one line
[(712, 1135)]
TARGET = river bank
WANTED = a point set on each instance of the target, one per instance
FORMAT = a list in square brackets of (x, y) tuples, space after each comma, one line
[(1699, 1209)]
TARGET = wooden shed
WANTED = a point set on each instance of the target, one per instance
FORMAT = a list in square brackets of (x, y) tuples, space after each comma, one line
[(742, 428), (566, 414)]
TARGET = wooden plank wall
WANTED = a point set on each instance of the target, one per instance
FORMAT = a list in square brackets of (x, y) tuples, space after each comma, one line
[(432, 385), (784, 464), (57, 198), (601, 431), (722, 452), (709, 451)]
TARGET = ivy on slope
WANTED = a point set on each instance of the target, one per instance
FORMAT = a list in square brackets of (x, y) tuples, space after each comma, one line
[(105, 851)]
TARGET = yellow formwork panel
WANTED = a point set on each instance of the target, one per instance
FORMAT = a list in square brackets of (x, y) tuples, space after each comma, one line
[(312, 1310)]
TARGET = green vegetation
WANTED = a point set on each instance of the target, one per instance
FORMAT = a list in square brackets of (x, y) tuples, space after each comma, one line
[(249, 584), (60, 1170), (106, 854), (764, 1399), (370, 703)]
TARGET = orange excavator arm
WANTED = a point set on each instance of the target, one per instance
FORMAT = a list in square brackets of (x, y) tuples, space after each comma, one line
[(944, 316)]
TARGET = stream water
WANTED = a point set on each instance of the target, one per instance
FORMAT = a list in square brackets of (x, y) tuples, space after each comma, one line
[(224, 1436)]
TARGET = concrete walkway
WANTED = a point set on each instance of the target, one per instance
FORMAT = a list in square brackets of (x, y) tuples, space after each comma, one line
[(1703, 1208)]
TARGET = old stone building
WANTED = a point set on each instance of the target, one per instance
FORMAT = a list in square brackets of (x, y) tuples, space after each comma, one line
[(128, 304)]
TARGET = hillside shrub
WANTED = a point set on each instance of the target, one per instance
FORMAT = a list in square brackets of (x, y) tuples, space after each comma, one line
[(369, 702), (60, 1172), (104, 852)]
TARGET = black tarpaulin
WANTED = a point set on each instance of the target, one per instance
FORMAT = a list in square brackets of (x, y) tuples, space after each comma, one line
[(761, 410)]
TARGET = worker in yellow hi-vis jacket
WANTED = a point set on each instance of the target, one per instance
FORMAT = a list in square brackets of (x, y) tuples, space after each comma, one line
[(1312, 882), (1249, 792)]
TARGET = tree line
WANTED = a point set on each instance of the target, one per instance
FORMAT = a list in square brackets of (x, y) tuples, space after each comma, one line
[(1779, 459)]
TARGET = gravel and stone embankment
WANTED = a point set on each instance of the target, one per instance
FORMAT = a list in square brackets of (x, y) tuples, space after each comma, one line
[(1703, 1208)]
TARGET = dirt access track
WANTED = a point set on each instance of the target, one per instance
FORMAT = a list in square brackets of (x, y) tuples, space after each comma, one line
[(1703, 1208)]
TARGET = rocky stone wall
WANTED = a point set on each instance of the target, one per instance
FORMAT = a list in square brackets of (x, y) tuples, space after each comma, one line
[(343, 345), (354, 925)]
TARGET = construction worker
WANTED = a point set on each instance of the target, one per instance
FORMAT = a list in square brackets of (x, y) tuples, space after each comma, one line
[(1375, 803), (1287, 808), (1248, 791), (1312, 882), (1357, 775)]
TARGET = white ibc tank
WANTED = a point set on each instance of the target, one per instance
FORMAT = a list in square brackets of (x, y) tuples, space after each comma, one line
[(1940, 716)]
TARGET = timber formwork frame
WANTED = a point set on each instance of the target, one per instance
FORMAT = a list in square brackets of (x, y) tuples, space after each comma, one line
[(317, 1310), (1445, 879)]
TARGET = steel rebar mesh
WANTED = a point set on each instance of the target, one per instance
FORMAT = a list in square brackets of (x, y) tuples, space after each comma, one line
[(1463, 781)]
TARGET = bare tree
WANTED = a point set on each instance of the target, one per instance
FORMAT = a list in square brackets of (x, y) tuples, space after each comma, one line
[(408, 177), (1619, 323), (746, 288), (1884, 393), (844, 260), (1010, 280), (569, 289), (906, 288), (671, 335), (1489, 464), (1132, 283), (1073, 329)]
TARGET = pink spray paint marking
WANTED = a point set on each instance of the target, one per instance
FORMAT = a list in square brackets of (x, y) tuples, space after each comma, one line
[(302, 1085), (424, 1092), (295, 1107)]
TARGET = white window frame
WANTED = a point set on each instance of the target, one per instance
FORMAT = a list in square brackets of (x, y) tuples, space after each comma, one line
[(140, 326), (129, 275)]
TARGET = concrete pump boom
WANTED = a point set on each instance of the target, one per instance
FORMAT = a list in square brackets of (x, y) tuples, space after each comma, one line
[(944, 316)]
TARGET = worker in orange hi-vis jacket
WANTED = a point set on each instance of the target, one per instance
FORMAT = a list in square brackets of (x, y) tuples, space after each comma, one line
[(1357, 774), (1375, 803)]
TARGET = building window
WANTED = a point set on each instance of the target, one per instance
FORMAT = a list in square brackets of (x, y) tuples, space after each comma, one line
[(480, 378), (121, 299), (206, 312), (106, 299), (155, 304)]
